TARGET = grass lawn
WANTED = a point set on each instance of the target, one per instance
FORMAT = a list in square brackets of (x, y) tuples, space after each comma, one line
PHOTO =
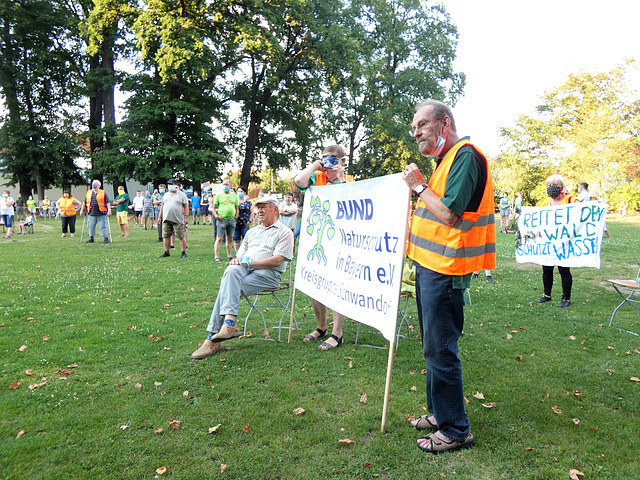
[(109, 330)]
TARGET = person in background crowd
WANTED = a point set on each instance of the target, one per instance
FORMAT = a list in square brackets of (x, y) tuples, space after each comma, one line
[(258, 266), (157, 203), (196, 209), (225, 209), (505, 207), (245, 217), (557, 195), (28, 221), (328, 170), (173, 217), (96, 205), (46, 208), (147, 209), (19, 208), (122, 211), (6, 211), (31, 207), (138, 206), (205, 204), (517, 207), (583, 192), (455, 213), (623, 211), (289, 211), (68, 207)]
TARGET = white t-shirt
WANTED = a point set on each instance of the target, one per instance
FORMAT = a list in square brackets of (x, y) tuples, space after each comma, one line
[(4, 208), (584, 196), (137, 203)]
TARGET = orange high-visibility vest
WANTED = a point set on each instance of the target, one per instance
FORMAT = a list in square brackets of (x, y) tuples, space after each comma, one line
[(67, 208), (99, 198), (467, 246), (547, 200), (321, 178)]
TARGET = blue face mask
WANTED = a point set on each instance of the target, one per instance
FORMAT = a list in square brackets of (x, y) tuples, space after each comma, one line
[(162, 190), (240, 195), (226, 189)]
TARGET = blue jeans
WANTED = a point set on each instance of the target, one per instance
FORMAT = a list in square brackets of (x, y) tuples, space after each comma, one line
[(240, 232), (101, 220), (440, 310)]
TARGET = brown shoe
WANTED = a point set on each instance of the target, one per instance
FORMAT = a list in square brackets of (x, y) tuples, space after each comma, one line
[(226, 333), (207, 349)]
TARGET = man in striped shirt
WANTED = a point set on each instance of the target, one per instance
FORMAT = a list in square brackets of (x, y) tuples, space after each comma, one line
[(258, 266)]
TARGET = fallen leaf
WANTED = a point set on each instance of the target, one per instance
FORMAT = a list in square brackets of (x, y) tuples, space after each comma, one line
[(466, 401), (158, 430), (167, 305), (423, 371), (573, 474), (519, 357), (363, 398), (577, 393), (556, 410), (414, 389), (213, 429), (157, 384), (33, 386), (28, 371), (223, 467), (45, 338), (366, 465), (576, 421), (124, 427), (20, 433), (137, 385), (14, 385), (299, 411), (247, 428), (490, 405), (350, 364), (509, 336), (610, 371), (611, 348), (174, 423), (64, 371), (161, 470), (22, 348), (528, 449), (410, 418), (637, 351), (478, 395), (635, 379), (185, 393), (346, 441), (571, 337)]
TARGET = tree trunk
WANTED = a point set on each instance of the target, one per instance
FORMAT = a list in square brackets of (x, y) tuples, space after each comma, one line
[(253, 138)]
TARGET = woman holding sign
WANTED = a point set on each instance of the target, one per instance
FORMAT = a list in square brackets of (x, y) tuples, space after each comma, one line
[(557, 195)]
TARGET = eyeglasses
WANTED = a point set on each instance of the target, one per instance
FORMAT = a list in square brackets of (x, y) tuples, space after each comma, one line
[(422, 125)]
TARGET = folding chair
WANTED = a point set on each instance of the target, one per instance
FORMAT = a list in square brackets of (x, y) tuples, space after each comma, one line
[(28, 227), (626, 289), (278, 301)]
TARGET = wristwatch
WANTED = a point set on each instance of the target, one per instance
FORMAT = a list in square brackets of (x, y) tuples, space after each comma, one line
[(420, 188)]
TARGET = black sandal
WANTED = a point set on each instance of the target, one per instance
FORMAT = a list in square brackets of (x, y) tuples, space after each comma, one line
[(311, 338), (328, 346)]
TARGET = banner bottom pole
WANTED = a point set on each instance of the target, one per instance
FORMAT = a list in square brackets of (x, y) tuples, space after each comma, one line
[(387, 387)]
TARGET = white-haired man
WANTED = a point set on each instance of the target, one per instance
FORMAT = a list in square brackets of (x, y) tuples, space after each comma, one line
[(96, 205)]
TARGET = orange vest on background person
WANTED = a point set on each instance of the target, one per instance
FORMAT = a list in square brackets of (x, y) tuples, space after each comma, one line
[(547, 200), (99, 198), (321, 179), (67, 208), (465, 247)]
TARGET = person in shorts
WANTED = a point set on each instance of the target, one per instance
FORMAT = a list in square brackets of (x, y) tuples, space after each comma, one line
[(122, 211), (225, 209), (173, 218), (148, 210)]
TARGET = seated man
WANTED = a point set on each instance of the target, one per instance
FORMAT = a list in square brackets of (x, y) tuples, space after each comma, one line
[(258, 266)]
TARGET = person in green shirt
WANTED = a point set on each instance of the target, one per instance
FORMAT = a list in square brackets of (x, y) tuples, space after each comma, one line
[(225, 209), (122, 211), (19, 208)]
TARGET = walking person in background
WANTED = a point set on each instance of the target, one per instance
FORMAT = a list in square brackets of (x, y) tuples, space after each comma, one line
[(196, 209), (96, 206), (517, 207), (505, 207), (157, 204), (138, 206), (225, 210), (173, 217), (68, 207), (557, 195)]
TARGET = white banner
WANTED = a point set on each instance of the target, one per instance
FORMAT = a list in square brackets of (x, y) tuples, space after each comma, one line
[(566, 235), (351, 249)]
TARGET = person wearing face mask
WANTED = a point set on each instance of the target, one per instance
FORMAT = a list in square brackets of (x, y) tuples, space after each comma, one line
[(31, 207), (505, 208), (68, 207), (452, 235), (225, 209), (328, 170), (245, 217), (147, 209), (173, 217), (289, 212), (138, 201), (6, 211), (122, 211), (557, 194), (96, 205), (196, 210), (46, 208)]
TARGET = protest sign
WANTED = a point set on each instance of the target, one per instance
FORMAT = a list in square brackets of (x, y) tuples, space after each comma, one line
[(567, 235), (351, 249)]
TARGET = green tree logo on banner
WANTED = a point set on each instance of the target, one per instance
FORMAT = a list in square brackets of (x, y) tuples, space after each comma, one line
[(319, 220)]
